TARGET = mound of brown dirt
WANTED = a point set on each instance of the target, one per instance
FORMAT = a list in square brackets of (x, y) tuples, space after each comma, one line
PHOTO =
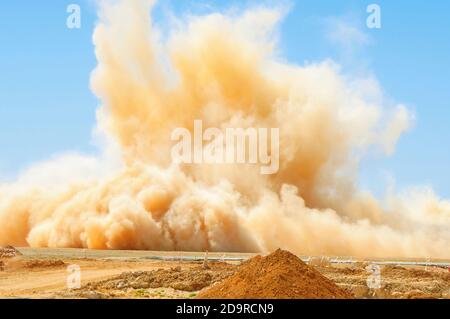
[(15, 264), (280, 275), (191, 279), (415, 274), (9, 252), (37, 264)]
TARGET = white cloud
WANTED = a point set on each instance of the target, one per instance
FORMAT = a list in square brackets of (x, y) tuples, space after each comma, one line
[(348, 39), (346, 33)]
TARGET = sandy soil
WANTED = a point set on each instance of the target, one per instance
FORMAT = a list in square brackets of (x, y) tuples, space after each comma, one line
[(41, 281), (136, 275), (395, 282)]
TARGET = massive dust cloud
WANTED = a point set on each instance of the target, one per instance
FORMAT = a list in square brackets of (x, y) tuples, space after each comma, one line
[(225, 69)]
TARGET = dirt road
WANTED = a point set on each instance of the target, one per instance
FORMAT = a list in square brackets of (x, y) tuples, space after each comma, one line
[(22, 281)]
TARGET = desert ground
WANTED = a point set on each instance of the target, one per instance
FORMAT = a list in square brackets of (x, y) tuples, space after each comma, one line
[(44, 273)]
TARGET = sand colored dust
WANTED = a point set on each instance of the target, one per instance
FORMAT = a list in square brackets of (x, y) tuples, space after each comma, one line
[(280, 275)]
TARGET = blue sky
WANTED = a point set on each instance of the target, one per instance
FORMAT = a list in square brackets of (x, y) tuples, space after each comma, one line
[(46, 106)]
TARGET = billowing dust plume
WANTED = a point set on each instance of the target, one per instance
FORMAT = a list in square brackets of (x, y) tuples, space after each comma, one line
[(227, 71)]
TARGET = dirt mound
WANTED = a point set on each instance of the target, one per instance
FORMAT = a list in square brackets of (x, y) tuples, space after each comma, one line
[(416, 274), (396, 282), (280, 275), (17, 264), (190, 279), (9, 252), (37, 264)]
